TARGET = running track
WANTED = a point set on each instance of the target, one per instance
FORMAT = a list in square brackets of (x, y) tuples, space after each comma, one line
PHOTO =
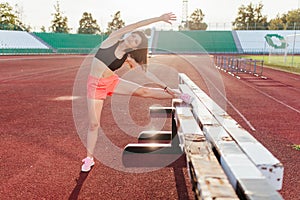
[(41, 150)]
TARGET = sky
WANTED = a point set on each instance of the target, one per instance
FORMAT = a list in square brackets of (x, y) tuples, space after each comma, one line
[(218, 13)]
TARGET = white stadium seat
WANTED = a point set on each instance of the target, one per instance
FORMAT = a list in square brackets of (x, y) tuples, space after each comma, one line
[(254, 40), (19, 40)]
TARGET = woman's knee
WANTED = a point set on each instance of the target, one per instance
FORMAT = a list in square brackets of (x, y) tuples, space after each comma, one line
[(94, 126), (143, 92)]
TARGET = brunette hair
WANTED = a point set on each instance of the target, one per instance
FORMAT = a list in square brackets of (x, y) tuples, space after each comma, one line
[(140, 54)]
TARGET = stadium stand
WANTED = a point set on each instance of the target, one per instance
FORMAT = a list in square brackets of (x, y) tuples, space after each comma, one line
[(254, 42), (20, 42), (185, 42), (193, 42), (237, 42), (72, 43)]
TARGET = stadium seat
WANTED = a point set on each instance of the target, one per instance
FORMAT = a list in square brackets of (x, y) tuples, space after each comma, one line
[(19, 40)]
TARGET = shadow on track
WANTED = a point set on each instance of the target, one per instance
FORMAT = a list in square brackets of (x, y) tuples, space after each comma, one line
[(181, 185), (80, 180)]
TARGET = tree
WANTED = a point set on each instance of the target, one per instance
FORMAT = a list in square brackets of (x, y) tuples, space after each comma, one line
[(9, 19), (195, 22), (43, 29), (293, 19), (87, 25), (59, 23), (116, 23), (250, 17), (277, 24), (289, 21)]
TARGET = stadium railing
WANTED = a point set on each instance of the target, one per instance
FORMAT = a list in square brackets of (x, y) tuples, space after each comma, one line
[(24, 51)]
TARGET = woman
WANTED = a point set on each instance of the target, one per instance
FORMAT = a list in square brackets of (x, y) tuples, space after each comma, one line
[(102, 80)]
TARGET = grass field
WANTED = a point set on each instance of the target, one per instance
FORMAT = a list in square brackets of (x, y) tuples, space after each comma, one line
[(291, 63)]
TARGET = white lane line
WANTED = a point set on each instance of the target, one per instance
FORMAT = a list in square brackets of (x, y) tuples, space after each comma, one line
[(234, 108), (240, 114), (66, 98), (273, 98), (42, 57)]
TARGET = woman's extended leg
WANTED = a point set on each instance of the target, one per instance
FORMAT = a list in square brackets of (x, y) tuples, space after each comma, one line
[(130, 88)]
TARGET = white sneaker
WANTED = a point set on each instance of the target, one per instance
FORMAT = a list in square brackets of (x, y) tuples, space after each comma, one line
[(88, 163)]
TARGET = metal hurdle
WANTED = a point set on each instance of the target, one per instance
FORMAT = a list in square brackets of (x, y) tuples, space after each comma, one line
[(257, 67), (224, 161), (235, 65), (206, 174), (222, 62), (247, 163), (251, 66)]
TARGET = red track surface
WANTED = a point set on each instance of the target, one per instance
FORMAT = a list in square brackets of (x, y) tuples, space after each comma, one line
[(41, 150)]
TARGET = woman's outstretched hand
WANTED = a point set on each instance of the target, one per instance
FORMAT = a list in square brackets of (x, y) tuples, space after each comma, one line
[(183, 96), (168, 17)]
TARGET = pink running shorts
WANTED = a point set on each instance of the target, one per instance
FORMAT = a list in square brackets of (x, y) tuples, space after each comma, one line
[(100, 88)]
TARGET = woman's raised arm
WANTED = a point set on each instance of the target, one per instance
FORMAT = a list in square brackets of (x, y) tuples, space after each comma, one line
[(167, 17)]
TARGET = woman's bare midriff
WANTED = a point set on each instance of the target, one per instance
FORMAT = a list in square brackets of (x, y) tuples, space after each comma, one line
[(107, 73), (99, 69)]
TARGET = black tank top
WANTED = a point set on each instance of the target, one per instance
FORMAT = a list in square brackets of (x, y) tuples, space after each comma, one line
[(107, 56)]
